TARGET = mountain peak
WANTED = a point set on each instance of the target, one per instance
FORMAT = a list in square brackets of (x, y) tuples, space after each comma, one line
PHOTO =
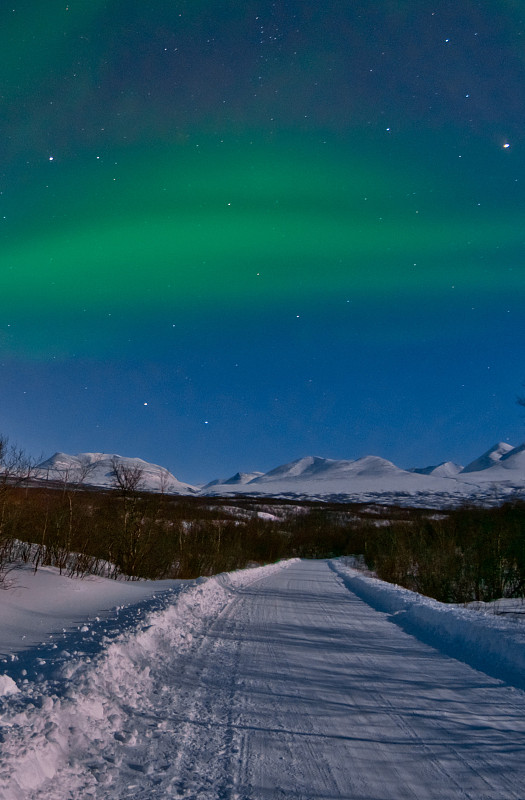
[(444, 470), (489, 458)]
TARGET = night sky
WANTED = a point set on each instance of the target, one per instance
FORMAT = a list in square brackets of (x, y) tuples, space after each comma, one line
[(236, 233)]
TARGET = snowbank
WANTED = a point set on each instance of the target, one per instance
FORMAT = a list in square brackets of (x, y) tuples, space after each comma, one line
[(85, 699), (488, 643), (39, 606)]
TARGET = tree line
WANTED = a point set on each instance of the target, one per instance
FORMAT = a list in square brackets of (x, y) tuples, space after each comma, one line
[(465, 554), (470, 553)]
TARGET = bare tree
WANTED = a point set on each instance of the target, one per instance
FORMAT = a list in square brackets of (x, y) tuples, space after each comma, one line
[(83, 471), (128, 481), (164, 480), (127, 478), (16, 468), (72, 478)]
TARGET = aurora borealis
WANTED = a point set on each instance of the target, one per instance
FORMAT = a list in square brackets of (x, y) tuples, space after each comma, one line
[(234, 233)]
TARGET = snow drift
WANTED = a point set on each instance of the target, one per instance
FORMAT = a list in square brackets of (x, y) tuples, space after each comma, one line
[(81, 702), (488, 643)]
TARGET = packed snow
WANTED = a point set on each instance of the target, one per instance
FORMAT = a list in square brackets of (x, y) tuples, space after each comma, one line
[(296, 680)]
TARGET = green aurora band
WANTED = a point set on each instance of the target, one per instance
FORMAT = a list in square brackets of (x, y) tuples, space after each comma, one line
[(258, 224)]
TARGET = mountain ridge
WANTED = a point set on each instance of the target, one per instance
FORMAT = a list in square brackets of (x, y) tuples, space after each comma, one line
[(497, 473)]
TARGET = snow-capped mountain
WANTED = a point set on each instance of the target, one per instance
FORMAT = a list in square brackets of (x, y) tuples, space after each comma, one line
[(510, 467), (491, 457), (98, 469), (447, 469), (495, 475), (313, 468), (498, 473), (313, 476), (239, 479)]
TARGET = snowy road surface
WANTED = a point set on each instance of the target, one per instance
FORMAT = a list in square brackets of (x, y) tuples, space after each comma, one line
[(286, 687)]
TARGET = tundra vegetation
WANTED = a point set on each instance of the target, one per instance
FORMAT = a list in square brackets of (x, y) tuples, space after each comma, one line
[(455, 555)]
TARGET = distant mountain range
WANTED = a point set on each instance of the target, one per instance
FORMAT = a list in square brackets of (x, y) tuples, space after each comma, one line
[(497, 474)]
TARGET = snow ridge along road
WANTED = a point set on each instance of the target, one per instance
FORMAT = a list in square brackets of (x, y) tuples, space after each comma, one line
[(278, 682)]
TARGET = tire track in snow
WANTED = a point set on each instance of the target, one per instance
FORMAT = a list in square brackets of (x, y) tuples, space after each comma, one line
[(99, 730), (286, 687), (342, 703)]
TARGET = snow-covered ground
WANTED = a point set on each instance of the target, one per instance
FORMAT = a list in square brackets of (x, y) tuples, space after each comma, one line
[(37, 608), (305, 679)]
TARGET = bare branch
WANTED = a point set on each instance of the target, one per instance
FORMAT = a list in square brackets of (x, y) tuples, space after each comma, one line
[(16, 466), (127, 478)]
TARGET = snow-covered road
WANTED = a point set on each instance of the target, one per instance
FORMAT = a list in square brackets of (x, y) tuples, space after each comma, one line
[(288, 686)]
